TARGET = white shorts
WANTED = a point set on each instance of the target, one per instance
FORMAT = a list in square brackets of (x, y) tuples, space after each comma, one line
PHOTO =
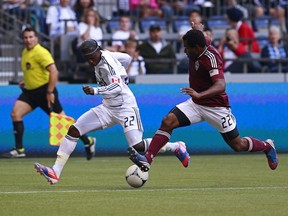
[(220, 118), (128, 118), (101, 117)]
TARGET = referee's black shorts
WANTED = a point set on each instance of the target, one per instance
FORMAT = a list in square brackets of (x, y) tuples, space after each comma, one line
[(37, 98)]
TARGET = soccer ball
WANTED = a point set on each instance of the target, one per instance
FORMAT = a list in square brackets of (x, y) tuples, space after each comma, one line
[(135, 177)]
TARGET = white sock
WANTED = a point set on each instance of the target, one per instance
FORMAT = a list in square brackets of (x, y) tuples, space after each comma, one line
[(170, 146), (66, 148), (147, 142)]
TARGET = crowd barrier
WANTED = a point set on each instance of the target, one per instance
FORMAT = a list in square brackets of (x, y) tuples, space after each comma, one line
[(261, 110)]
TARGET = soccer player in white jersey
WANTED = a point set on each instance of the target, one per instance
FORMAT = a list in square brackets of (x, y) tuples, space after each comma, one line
[(119, 107)]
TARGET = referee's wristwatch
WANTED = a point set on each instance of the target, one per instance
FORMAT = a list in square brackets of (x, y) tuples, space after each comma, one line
[(50, 92)]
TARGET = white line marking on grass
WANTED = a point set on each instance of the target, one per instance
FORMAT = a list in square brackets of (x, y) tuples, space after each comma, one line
[(146, 190)]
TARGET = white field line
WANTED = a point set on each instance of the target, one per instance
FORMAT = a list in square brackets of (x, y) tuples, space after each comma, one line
[(147, 190)]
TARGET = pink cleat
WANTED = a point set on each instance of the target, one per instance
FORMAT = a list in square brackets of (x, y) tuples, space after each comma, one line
[(182, 154), (271, 155), (47, 172)]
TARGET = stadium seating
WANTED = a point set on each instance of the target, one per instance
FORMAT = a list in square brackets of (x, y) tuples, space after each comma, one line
[(10, 32), (144, 24), (112, 25), (218, 24), (262, 24), (180, 21), (262, 40)]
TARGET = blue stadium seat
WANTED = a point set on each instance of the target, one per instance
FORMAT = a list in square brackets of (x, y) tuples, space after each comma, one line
[(217, 22), (112, 25), (263, 22), (262, 40), (179, 22), (144, 24)]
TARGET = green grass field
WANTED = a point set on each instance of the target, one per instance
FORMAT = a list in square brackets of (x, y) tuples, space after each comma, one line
[(212, 185)]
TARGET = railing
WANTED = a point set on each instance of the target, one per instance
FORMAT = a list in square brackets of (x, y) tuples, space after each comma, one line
[(264, 69)]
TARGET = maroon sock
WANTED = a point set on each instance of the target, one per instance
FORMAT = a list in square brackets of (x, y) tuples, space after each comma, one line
[(256, 145), (158, 141)]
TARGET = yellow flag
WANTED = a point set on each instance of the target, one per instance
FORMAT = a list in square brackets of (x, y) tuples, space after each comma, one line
[(59, 125)]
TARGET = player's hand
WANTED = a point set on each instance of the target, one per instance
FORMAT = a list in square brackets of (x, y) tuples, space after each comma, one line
[(21, 84), (191, 92), (88, 90), (50, 99)]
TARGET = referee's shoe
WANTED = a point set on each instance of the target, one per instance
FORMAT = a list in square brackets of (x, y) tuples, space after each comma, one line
[(14, 153)]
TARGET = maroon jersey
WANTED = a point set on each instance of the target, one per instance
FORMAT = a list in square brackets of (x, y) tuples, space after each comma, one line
[(203, 73)]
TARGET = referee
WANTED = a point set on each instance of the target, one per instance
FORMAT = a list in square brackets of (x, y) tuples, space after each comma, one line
[(38, 90)]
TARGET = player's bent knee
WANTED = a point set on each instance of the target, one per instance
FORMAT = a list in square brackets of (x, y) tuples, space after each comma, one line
[(73, 131), (180, 118), (167, 123), (15, 116)]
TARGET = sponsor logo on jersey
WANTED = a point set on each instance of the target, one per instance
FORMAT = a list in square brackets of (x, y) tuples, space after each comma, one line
[(28, 65)]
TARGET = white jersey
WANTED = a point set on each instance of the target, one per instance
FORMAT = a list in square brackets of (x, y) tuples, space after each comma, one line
[(112, 79)]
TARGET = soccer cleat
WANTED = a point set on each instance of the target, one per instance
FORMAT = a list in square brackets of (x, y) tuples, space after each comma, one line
[(15, 153), (47, 172), (138, 159), (90, 148), (271, 155), (182, 154)]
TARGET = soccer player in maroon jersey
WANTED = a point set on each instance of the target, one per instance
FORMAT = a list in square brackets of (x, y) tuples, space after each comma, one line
[(208, 102)]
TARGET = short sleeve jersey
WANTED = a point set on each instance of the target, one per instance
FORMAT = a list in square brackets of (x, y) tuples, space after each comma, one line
[(34, 63), (203, 72)]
